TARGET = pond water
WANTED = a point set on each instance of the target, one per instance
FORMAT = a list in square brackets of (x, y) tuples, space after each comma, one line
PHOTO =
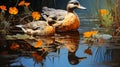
[(61, 50)]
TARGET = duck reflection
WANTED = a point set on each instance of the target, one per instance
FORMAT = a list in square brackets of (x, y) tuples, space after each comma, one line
[(70, 40)]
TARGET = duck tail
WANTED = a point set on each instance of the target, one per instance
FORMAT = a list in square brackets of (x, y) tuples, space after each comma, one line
[(21, 26)]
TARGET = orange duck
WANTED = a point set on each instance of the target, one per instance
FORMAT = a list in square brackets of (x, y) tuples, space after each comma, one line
[(69, 19)]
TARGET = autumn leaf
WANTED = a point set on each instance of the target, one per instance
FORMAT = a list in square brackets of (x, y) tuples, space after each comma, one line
[(88, 51), (38, 44), (14, 46)]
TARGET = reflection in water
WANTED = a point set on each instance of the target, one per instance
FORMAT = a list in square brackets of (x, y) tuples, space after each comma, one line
[(71, 42), (63, 49)]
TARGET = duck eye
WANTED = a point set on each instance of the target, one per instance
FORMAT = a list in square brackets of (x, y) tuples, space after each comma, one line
[(75, 3)]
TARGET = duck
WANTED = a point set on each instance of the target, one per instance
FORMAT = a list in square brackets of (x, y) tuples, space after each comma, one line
[(40, 27), (69, 19)]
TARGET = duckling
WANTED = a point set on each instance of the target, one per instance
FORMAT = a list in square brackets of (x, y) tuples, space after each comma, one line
[(39, 27), (70, 20)]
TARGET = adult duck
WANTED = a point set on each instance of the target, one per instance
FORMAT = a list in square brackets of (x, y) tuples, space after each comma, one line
[(70, 20)]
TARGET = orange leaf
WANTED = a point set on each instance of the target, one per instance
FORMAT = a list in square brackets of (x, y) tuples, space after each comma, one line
[(88, 51), (14, 46), (38, 44)]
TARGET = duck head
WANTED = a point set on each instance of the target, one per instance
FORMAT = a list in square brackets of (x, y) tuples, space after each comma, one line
[(74, 4), (51, 19)]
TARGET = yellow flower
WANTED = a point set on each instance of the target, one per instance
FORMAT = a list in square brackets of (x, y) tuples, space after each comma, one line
[(36, 15), (87, 34), (94, 32), (103, 11), (26, 4), (13, 10), (90, 33), (3, 7), (21, 3)]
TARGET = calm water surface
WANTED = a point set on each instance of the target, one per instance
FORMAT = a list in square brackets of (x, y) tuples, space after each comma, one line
[(61, 50)]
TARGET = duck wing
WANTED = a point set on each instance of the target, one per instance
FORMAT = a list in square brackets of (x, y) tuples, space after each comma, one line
[(59, 13), (35, 25)]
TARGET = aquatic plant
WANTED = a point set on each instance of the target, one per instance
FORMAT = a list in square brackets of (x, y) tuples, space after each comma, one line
[(95, 37), (106, 18), (4, 25), (90, 36)]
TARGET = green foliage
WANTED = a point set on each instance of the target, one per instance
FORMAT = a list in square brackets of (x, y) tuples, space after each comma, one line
[(107, 20), (4, 25)]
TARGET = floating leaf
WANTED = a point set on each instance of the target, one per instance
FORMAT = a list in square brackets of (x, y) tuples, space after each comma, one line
[(106, 36)]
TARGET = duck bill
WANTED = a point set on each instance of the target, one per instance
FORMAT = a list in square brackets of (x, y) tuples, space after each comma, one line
[(81, 7)]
